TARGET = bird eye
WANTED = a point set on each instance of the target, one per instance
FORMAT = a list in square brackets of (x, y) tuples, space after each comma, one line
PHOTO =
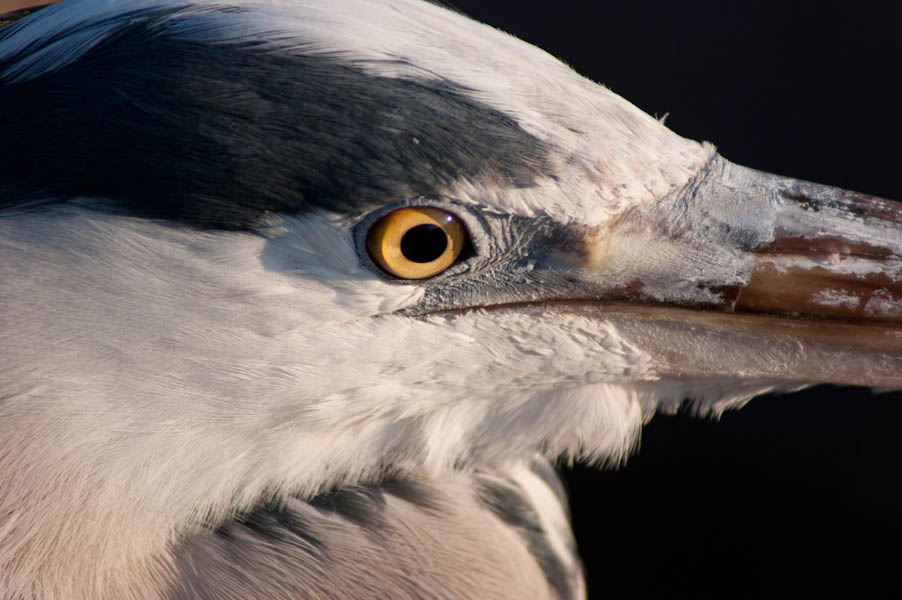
[(416, 242)]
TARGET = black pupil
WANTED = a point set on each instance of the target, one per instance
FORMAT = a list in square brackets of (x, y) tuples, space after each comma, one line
[(424, 243)]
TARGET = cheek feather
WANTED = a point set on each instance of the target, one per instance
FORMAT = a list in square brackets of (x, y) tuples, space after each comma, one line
[(230, 368)]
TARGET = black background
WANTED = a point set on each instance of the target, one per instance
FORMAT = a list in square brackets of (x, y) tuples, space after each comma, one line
[(794, 495)]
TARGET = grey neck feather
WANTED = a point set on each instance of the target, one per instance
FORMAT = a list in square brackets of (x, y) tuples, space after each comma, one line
[(484, 535)]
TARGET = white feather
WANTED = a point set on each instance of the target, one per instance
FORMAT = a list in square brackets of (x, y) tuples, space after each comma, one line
[(608, 155), (174, 377), (153, 433)]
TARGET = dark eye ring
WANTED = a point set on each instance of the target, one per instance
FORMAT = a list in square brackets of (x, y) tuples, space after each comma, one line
[(416, 242)]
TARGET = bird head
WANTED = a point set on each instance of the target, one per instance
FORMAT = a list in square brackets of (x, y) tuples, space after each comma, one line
[(255, 247)]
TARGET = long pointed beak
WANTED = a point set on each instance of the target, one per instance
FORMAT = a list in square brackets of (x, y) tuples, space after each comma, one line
[(834, 254), (750, 275)]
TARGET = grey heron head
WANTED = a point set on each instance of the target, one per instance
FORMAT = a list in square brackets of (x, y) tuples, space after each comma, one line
[(208, 298)]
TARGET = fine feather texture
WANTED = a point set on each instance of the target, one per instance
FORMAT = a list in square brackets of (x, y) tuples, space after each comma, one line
[(587, 177), (269, 389), (194, 335), (408, 538)]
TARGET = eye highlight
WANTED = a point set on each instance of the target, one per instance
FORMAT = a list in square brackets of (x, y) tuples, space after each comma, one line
[(416, 242)]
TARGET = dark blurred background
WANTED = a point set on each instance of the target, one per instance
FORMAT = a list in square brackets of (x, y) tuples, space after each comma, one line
[(795, 495)]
